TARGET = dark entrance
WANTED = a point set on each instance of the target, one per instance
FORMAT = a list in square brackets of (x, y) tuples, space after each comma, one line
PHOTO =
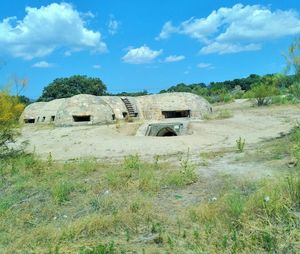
[(176, 114), (166, 132), (29, 120), (82, 118)]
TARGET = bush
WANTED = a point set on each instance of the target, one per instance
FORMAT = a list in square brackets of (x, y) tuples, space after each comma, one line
[(295, 90), (100, 249), (264, 90), (284, 99), (61, 191), (222, 114), (240, 144), (220, 97), (10, 111)]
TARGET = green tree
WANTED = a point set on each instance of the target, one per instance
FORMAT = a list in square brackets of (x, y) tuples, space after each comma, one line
[(293, 58), (293, 64), (133, 94), (10, 111), (68, 87), (265, 89)]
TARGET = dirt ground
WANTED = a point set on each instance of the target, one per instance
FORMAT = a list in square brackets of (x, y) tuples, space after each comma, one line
[(254, 124)]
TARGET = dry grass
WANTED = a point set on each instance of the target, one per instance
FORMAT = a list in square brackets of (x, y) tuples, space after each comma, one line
[(220, 114), (87, 206)]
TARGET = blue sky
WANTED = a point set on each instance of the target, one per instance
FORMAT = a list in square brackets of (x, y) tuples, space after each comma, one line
[(134, 45)]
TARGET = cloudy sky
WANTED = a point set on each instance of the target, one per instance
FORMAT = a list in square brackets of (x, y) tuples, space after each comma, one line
[(134, 45)]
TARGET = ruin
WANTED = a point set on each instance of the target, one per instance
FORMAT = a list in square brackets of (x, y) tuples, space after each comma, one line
[(89, 109)]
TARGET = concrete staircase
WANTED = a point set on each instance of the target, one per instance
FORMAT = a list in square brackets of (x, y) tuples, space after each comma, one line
[(129, 106)]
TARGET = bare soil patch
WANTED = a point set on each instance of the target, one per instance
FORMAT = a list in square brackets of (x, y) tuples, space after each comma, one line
[(255, 124)]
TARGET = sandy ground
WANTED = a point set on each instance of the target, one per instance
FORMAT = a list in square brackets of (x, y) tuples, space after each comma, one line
[(108, 142)]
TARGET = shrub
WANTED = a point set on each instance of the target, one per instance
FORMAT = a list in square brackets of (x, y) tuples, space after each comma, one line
[(61, 191), (99, 249), (10, 111), (283, 99), (293, 188), (264, 90), (295, 90), (240, 144), (132, 163), (185, 176), (222, 114)]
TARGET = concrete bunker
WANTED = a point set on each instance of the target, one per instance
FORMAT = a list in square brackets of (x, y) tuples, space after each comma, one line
[(89, 109)]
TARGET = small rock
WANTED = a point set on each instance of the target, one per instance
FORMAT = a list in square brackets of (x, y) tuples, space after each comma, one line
[(266, 199), (54, 218), (214, 199), (65, 216)]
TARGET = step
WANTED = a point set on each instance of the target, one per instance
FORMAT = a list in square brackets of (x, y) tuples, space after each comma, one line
[(129, 107)]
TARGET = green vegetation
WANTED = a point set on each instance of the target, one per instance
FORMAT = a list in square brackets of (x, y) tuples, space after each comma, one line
[(270, 88), (67, 87), (293, 59), (240, 144), (137, 206), (133, 94), (263, 90), (251, 87), (10, 110), (221, 114), (87, 206)]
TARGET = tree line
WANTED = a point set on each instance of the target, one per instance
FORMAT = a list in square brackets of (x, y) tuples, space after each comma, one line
[(214, 91)]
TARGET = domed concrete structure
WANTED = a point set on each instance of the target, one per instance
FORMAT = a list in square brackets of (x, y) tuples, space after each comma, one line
[(173, 105), (84, 109), (90, 109)]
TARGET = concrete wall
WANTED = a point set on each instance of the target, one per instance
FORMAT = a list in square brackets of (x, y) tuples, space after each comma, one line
[(116, 104)]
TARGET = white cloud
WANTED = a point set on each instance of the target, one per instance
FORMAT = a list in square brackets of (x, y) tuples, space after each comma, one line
[(45, 29), (227, 48), (42, 64), (236, 29), (141, 55), (205, 66), (166, 31), (113, 25), (174, 58), (96, 66)]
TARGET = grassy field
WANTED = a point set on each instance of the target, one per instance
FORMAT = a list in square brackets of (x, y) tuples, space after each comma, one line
[(89, 206)]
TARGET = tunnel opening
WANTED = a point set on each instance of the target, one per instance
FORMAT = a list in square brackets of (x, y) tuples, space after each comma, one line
[(166, 132)]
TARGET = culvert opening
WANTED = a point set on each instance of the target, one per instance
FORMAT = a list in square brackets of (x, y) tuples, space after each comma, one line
[(166, 132)]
